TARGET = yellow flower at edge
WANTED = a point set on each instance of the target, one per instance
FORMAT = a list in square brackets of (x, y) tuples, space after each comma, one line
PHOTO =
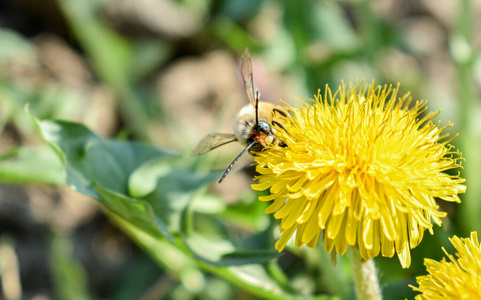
[(458, 279), (361, 167)]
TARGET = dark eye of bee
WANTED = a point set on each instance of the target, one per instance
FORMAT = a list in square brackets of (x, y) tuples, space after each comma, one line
[(264, 126)]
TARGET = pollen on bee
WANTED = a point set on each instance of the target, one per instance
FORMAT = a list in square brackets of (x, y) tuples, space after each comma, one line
[(270, 139)]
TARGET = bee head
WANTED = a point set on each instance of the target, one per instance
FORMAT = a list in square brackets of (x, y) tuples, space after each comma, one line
[(264, 127)]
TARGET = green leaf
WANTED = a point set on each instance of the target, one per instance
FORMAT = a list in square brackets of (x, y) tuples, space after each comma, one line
[(88, 158), (259, 278), (101, 169), (25, 165), (208, 250), (221, 252), (116, 173), (254, 249), (143, 180), (248, 213), (255, 278), (136, 212), (208, 203), (174, 192), (246, 258)]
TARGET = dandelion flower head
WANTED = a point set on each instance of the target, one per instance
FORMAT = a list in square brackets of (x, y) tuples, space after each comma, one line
[(458, 279), (361, 167)]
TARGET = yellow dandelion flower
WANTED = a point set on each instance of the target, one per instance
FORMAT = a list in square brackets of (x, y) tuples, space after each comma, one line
[(458, 279), (362, 168)]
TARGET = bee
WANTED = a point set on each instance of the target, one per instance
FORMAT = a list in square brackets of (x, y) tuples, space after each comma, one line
[(253, 125)]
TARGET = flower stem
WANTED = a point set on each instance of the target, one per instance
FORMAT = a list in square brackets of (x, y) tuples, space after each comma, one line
[(463, 55), (365, 277)]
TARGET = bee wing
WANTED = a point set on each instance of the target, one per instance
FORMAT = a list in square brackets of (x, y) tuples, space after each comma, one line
[(212, 141), (246, 70)]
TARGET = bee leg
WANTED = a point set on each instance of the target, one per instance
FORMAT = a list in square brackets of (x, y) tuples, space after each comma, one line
[(280, 126), (281, 112), (281, 142)]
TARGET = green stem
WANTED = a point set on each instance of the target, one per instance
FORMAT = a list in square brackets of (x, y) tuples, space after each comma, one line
[(174, 258), (462, 53), (365, 277)]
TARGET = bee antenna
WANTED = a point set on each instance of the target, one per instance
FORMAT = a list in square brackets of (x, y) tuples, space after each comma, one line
[(235, 160)]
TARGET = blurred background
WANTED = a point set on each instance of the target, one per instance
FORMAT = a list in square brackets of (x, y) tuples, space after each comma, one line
[(166, 73)]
